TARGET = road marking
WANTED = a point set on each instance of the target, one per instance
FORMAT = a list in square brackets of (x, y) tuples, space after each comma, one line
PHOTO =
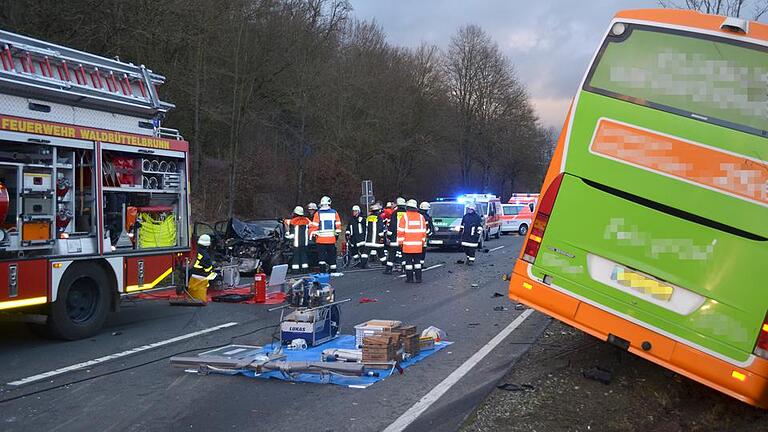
[(495, 249), (88, 363), (428, 268), (439, 390)]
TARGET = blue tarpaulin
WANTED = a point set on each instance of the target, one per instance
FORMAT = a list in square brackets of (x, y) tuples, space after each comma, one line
[(341, 342)]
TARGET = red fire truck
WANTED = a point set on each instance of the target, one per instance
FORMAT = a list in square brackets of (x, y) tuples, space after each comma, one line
[(94, 199)]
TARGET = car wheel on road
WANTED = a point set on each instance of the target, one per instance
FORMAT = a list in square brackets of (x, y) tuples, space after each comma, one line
[(82, 303), (523, 230), (498, 234)]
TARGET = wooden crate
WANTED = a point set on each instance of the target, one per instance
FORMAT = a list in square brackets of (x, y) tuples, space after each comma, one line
[(412, 345)]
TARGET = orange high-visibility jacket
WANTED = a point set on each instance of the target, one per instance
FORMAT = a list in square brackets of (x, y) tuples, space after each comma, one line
[(325, 226), (412, 232)]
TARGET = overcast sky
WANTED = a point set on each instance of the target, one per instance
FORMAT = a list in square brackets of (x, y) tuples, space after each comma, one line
[(550, 42)]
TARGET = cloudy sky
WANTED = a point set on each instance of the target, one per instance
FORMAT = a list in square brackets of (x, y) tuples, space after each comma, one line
[(550, 42)]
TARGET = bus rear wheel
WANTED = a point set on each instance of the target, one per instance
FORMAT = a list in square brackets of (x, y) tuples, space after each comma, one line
[(82, 303)]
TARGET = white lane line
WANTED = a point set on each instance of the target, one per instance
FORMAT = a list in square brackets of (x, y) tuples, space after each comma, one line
[(88, 363), (428, 268), (439, 390), (495, 249)]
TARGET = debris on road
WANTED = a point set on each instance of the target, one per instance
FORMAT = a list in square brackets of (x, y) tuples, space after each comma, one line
[(520, 306), (474, 285), (500, 308), (368, 300), (598, 374), (497, 294), (514, 387)]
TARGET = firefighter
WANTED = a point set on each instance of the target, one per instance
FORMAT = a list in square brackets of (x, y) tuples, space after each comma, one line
[(311, 210), (312, 249), (325, 228), (394, 253), (356, 238), (374, 235), (411, 235), (424, 210), (298, 233), (202, 270), (471, 230)]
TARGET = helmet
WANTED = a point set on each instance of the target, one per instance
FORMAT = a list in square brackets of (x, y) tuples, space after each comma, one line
[(356, 208), (400, 201), (311, 206), (424, 205), (204, 240), (390, 204), (376, 207), (325, 201), (471, 206), (412, 204), (299, 211)]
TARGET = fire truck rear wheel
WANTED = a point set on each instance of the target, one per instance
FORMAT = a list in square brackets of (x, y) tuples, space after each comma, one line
[(82, 303)]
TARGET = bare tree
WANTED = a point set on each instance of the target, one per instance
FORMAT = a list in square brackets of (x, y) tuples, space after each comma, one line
[(751, 9)]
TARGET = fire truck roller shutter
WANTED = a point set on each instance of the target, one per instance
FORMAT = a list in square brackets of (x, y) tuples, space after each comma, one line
[(84, 296)]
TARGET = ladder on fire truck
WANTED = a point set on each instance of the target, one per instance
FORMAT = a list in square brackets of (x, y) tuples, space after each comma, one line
[(34, 68)]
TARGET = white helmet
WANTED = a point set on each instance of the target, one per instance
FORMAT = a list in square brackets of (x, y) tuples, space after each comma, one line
[(325, 201), (400, 201), (299, 211), (376, 207), (424, 205), (390, 204), (412, 204), (311, 206), (204, 240), (471, 206), (356, 208)]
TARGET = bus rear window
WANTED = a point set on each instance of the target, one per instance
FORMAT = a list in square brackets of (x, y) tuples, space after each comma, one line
[(704, 77)]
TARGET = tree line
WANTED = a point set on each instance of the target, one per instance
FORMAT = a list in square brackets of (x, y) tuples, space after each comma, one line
[(284, 101)]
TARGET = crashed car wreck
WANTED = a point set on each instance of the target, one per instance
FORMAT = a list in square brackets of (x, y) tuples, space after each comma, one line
[(252, 244)]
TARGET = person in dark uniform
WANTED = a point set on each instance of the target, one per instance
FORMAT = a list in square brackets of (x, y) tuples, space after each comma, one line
[(471, 230), (356, 237), (374, 236)]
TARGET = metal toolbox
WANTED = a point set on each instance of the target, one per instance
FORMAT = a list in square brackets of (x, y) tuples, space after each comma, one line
[(38, 205), (37, 182)]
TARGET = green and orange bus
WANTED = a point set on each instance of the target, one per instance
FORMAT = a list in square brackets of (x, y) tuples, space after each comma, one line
[(666, 146)]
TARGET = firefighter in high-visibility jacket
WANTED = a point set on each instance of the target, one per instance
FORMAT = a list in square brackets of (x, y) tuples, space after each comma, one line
[(424, 210), (394, 252), (356, 238), (325, 229), (202, 270), (298, 234), (471, 230), (411, 236), (374, 235)]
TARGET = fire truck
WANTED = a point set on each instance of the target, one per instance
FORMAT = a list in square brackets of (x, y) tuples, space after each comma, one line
[(94, 194)]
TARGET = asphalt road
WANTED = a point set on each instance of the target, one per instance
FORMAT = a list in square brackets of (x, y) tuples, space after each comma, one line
[(140, 392)]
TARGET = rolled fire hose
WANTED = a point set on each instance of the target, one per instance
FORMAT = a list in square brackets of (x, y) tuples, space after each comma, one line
[(153, 183), (155, 165), (163, 166), (146, 165), (172, 167)]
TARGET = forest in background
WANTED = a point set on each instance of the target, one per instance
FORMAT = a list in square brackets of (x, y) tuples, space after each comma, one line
[(284, 101)]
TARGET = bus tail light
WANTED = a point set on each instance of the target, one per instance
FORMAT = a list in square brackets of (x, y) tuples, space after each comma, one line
[(761, 349), (536, 234)]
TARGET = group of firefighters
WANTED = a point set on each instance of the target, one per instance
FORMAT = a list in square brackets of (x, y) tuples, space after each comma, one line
[(393, 234)]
